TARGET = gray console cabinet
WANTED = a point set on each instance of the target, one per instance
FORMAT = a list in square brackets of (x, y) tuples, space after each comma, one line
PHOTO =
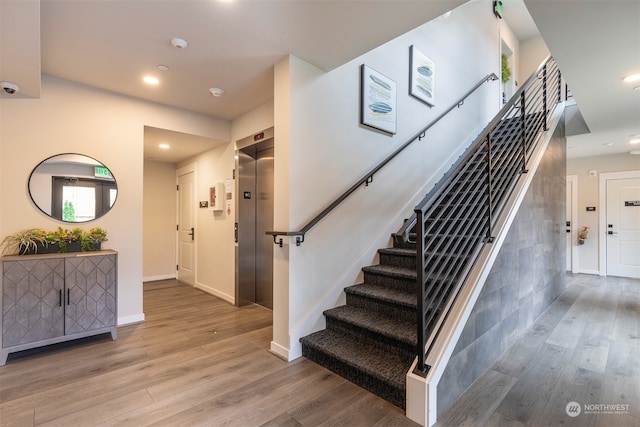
[(52, 298)]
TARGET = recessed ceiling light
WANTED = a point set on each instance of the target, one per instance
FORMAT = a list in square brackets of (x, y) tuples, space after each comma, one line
[(635, 141), (608, 144), (164, 146), (216, 91), (151, 80), (631, 78), (634, 152), (163, 67), (179, 43)]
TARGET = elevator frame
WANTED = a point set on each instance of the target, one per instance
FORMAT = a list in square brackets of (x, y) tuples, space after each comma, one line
[(245, 271)]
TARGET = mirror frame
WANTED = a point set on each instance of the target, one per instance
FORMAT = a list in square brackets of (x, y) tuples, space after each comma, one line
[(91, 161)]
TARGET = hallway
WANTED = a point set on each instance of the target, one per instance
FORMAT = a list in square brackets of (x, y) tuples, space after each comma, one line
[(585, 349), (199, 361)]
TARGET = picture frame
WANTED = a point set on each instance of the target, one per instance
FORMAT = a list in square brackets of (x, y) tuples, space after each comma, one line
[(422, 74), (378, 99)]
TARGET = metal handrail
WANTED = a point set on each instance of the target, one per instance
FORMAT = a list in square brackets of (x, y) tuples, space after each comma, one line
[(456, 218), (368, 177)]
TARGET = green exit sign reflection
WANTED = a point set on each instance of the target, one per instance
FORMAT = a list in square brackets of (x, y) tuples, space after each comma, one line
[(102, 172)]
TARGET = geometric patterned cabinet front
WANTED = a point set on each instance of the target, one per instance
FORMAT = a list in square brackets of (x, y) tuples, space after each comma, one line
[(91, 293), (52, 298)]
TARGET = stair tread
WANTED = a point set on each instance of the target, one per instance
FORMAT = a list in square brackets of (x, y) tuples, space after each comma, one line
[(397, 328), (398, 251), (404, 298), (392, 271), (388, 366)]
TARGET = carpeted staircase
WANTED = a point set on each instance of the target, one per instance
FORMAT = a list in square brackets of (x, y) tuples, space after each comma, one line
[(371, 340)]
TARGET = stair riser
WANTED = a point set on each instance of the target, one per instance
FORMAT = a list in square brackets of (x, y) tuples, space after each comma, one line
[(411, 262), (398, 261), (368, 337), (387, 391), (390, 282), (382, 307)]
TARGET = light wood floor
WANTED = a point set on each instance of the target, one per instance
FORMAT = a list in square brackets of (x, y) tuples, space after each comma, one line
[(585, 348), (195, 361)]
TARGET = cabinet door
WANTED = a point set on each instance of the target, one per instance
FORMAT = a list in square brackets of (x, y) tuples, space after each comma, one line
[(90, 296), (32, 308)]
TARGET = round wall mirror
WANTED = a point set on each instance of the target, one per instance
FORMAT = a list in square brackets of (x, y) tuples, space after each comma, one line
[(72, 188)]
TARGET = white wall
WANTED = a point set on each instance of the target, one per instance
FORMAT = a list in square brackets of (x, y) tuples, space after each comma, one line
[(532, 53), (589, 195), (108, 127), (159, 221), (215, 253), (214, 229), (255, 121), (327, 150)]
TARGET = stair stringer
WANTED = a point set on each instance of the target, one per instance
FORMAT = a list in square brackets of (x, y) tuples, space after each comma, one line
[(421, 392)]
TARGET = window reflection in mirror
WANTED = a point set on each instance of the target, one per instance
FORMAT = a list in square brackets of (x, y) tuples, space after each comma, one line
[(72, 188)]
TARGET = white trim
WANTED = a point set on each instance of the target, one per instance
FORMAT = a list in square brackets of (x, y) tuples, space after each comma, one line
[(128, 320), (602, 224), (588, 271), (280, 351), (189, 168), (216, 293), (573, 179), (155, 278)]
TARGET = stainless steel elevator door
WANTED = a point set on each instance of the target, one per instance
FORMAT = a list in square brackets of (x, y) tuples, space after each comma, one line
[(255, 217), (264, 223)]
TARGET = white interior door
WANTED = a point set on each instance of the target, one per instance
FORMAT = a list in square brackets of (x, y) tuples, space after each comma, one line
[(623, 227), (186, 227)]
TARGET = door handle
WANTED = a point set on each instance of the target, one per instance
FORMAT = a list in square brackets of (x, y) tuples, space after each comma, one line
[(192, 233)]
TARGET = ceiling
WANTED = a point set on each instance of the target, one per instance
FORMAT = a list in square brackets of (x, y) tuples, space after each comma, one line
[(233, 45), (596, 43)]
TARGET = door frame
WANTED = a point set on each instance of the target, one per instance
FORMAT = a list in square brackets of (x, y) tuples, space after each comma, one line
[(189, 168), (573, 179), (602, 247)]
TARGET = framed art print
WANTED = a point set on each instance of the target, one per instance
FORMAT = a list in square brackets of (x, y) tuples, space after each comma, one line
[(422, 75), (377, 100)]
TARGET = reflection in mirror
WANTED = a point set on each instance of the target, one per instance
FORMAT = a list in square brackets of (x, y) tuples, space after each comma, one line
[(72, 188)]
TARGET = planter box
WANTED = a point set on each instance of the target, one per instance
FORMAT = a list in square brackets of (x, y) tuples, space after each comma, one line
[(54, 248)]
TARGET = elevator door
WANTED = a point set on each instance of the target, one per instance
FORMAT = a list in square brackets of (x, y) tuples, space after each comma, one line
[(255, 217)]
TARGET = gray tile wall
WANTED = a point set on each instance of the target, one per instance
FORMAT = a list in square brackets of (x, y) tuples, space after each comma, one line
[(528, 275)]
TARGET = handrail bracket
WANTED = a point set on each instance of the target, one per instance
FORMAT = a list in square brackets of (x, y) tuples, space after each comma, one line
[(277, 239)]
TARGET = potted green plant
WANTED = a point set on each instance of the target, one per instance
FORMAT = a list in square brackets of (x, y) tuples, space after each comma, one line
[(506, 70), (92, 240), (23, 242), (62, 240)]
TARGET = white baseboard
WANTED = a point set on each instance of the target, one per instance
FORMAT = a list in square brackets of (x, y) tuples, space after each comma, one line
[(228, 298), (589, 271), (161, 277), (128, 320), (280, 351)]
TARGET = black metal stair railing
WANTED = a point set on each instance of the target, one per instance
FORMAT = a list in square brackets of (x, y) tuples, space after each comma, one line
[(368, 177), (457, 217)]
